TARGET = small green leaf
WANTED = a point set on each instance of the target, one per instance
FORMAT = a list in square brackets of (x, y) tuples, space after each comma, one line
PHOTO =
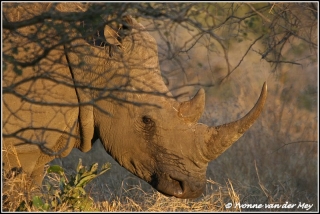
[(76, 179), (104, 168), (83, 182), (37, 202), (94, 168), (46, 206), (79, 165), (78, 192), (56, 169)]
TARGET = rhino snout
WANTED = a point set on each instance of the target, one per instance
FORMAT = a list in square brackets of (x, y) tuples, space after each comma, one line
[(184, 187)]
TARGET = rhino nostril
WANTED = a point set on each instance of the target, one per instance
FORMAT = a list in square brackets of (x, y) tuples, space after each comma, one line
[(179, 190)]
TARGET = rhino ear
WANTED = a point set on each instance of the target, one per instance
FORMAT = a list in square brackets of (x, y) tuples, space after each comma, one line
[(111, 36), (192, 110), (124, 28)]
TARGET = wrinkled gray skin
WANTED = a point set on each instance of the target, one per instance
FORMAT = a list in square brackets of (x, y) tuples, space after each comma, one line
[(150, 134)]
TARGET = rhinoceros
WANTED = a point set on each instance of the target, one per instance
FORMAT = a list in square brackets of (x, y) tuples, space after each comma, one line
[(113, 91)]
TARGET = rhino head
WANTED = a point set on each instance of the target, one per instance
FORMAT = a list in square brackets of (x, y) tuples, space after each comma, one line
[(165, 145), (147, 131)]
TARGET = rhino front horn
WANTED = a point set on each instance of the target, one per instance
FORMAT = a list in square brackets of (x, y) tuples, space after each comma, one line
[(220, 138), (192, 110)]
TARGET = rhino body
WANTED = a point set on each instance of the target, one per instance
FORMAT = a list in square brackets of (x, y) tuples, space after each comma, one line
[(84, 91)]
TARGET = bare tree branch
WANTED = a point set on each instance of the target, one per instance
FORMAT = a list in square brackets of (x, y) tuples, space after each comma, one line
[(241, 59)]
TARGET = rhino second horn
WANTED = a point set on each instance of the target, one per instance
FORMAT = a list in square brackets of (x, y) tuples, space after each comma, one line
[(192, 110), (220, 138)]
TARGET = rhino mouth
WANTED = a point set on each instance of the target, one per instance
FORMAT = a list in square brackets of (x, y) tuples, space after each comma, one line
[(178, 187)]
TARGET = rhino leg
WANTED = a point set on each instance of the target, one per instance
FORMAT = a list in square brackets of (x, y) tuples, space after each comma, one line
[(37, 175)]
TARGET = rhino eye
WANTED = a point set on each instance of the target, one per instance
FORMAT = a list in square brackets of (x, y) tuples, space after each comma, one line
[(146, 120)]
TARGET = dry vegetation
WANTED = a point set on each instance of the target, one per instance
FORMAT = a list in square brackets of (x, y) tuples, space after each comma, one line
[(275, 162), (132, 200)]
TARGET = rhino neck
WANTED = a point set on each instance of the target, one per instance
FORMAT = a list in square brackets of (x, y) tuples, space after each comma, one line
[(105, 81), (129, 73)]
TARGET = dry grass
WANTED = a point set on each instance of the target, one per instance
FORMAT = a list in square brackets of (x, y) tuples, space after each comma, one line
[(16, 189), (136, 199), (132, 200), (156, 202)]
